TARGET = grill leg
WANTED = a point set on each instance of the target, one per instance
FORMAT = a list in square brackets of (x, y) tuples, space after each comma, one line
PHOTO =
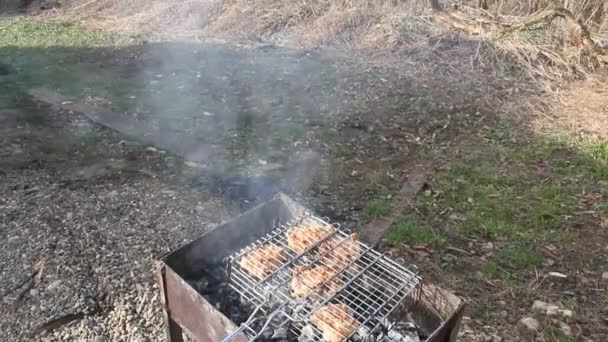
[(172, 329)]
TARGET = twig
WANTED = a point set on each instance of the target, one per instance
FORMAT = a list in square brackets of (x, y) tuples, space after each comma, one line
[(36, 273), (18, 286), (82, 5), (31, 284), (63, 320), (457, 250), (57, 323)]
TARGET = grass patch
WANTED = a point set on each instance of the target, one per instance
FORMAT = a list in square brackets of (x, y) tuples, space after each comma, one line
[(490, 227), (520, 257), (523, 197), (378, 208), (53, 54), (490, 268), (291, 131), (567, 155), (511, 201), (552, 334), (405, 230), (25, 32)]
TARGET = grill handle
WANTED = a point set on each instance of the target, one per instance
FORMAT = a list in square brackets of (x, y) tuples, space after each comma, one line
[(243, 326), (251, 319), (235, 333)]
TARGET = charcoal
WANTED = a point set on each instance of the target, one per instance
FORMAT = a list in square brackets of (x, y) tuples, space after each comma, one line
[(280, 334), (307, 334)]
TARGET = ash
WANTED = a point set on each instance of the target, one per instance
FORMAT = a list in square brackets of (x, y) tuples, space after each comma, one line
[(213, 285)]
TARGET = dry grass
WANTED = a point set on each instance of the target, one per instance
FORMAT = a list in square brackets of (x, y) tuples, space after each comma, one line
[(594, 13), (392, 29), (580, 108), (355, 24)]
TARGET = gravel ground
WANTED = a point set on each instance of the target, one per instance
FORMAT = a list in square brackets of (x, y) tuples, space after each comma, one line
[(91, 212)]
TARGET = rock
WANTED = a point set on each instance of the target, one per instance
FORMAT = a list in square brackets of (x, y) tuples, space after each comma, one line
[(539, 306), (457, 217), (528, 326), (496, 338), (488, 246), (557, 275), (194, 165), (548, 262), (605, 276), (53, 285), (552, 310), (565, 329)]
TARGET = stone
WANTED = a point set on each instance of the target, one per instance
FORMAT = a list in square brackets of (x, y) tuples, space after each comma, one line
[(53, 285), (557, 275), (552, 310), (488, 246), (566, 313), (457, 217), (605, 276), (528, 326), (548, 262), (565, 329), (539, 306)]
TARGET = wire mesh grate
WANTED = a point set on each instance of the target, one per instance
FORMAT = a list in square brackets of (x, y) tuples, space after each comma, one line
[(314, 275)]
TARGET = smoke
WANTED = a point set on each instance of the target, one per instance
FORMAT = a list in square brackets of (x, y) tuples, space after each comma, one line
[(242, 112)]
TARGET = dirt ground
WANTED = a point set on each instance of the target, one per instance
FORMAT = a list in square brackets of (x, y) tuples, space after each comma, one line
[(95, 207), (92, 211)]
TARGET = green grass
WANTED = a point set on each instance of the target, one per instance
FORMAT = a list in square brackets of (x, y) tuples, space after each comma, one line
[(505, 195), (291, 131), (77, 61), (29, 33), (553, 334), (379, 207), (52, 54), (521, 257), (405, 230), (490, 268), (567, 155)]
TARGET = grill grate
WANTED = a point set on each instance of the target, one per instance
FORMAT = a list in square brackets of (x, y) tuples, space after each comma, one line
[(308, 264)]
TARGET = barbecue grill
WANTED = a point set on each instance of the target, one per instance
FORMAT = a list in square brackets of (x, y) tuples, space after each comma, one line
[(369, 283), (208, 289)]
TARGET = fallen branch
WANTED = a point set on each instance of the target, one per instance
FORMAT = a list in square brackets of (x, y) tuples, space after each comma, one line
[(454, 21), (579, 33)]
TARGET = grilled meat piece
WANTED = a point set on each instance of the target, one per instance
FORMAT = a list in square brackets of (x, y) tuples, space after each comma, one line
[(262, 260), (338, 252), (307, 234), (307, 281), (334, 321)]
